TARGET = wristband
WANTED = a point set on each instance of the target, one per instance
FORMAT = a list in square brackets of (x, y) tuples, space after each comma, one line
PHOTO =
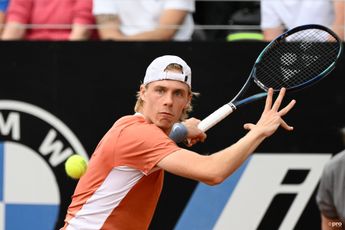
[(178, 132)]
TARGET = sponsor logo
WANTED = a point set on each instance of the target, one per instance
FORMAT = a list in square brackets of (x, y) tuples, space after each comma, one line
[(34, 144), (269, 191)]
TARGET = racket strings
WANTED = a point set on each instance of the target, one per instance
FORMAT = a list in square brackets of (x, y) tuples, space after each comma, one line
[(296, 59)]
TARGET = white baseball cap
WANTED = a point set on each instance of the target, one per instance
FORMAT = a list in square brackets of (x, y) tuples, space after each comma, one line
[(155, 71)]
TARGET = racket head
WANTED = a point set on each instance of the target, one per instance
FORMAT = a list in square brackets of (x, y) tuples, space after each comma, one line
[(297, 58)]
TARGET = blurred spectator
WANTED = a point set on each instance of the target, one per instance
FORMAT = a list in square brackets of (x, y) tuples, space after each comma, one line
[(277, 16), (331, 193), (3, 7), (48, 20), (144, 19)]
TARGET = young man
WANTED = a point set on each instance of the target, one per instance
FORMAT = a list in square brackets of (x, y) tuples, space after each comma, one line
[(124, 179)]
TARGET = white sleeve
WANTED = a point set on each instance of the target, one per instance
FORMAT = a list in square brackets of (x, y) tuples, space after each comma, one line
[(104, 7), (188, 5), (269, 16)]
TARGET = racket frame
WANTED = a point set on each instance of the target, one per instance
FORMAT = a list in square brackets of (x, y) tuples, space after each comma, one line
[(231, 106)]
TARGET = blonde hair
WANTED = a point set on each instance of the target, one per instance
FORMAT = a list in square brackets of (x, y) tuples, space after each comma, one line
[(189, 108)]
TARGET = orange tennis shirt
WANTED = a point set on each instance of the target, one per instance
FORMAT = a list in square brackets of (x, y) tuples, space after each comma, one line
[(122, 184)]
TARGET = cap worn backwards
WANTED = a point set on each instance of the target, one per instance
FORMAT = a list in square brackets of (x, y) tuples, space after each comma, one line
[(155, 71)]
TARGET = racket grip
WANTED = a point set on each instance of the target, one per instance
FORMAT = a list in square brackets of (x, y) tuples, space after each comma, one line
[(216, 117)]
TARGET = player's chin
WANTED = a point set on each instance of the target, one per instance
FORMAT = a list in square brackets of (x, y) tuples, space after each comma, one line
[(165, 124)]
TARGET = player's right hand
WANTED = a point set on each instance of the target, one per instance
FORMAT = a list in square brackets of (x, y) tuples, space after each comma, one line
[(194, 134)]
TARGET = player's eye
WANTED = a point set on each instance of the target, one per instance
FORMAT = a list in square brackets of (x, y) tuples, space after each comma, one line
[(160, 90), (179, 93)]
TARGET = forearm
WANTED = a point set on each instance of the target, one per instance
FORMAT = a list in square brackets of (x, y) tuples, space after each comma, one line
[(212, 169), (112, 33), (229, 159), (159, 34), (271, 33), (79, 32), (13, 31), (338, 23), (108, 27), (2, 22), (226, 161), (169, 22)]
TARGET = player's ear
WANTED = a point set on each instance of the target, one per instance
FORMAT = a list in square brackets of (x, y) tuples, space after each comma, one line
[(142, 92)]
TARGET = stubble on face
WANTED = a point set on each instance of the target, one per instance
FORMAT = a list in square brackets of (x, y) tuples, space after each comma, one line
[(164, 102)]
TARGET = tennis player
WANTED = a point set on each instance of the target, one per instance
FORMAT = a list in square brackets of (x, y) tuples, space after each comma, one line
[(124, 179)]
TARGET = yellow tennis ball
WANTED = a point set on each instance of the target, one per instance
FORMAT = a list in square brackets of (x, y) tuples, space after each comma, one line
[(75, 166)]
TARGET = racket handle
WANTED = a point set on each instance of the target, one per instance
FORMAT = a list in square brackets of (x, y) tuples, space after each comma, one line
[(216, 117)]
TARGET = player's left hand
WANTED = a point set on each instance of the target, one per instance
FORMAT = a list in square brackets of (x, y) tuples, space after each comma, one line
[(271, 117)]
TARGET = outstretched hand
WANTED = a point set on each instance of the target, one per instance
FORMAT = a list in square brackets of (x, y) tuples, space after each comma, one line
[(271, 118)]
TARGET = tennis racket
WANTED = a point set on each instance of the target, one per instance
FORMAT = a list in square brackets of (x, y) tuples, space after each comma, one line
[(294, 60)]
